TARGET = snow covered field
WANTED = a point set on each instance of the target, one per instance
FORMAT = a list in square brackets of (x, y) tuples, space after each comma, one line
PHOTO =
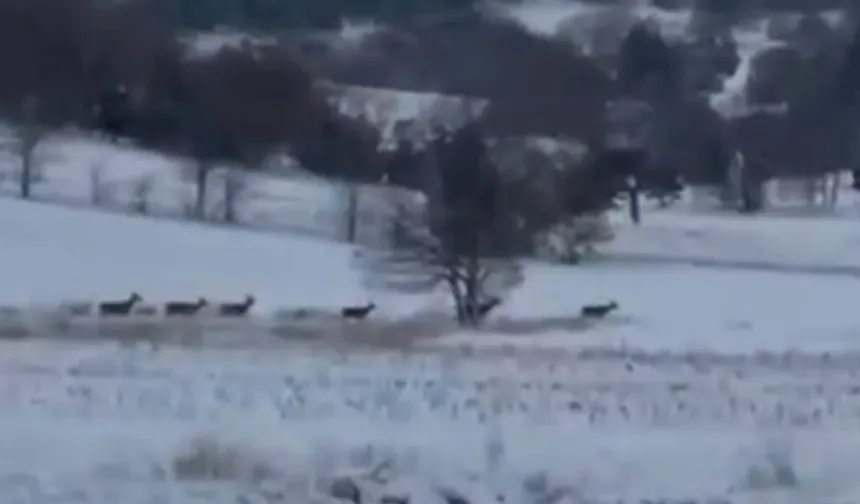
[(316, 208), (709, 384), (81, 171), (596, 426), (78, 255), (765, 242)]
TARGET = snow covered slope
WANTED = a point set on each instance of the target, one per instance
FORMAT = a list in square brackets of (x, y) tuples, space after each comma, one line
[(316, 207), (696, 371), (802, 244), (102, 424), (53, 255), (96, 419)]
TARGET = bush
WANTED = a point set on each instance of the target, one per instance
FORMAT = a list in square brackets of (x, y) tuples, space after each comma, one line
[(569, 241)]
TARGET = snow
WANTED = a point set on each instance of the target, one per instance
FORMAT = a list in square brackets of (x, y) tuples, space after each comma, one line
[(767, 242), (81, 171), (752, 41), (296, 411), (405, 114), (706, 370), (66, 249), (303, 204), (731, 364), (550, 17), (176, 261), (546, 18)]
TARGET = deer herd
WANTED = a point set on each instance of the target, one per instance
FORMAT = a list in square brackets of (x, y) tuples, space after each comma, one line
[(133, 305)]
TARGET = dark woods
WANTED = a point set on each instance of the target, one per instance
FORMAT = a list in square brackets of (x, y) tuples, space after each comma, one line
[(118, 68), (121, 68)]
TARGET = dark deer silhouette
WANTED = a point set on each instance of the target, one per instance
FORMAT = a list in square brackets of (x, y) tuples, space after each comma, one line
[(357, 312), (599, 311), (184, 307), (119, 307), (237, 309)]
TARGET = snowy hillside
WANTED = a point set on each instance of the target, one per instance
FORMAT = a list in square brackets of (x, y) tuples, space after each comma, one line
[(437, 414), (87, 255), (83, 172), (694, 371), (728, 375)]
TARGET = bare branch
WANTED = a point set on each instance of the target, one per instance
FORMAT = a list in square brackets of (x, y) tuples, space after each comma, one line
[(450, 241)]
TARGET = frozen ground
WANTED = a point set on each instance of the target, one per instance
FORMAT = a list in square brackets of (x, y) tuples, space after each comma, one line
[(733, 386), (610, 432)]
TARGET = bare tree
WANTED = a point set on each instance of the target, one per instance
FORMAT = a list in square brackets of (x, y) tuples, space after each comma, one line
[(205, 156), (461, 239), (234, 189), (142, 193), (419, 261), (29, 133), (352, 209)]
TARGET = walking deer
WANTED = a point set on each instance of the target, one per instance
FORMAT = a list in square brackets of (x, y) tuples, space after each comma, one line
[(119, 307), (237, 309), (357, 312), (599, 311), (184, 308)]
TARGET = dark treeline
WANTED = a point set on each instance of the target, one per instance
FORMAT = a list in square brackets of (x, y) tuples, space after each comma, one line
[(304, 14), (327, 14), (119, 69), (639, 108)]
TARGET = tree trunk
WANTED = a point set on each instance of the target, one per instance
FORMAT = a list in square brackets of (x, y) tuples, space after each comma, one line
[(352, 214), (472, 290), (633, 192), (29, 140), (231, 194), (835, 180), (202, 175), (456, 293), (26, 173)]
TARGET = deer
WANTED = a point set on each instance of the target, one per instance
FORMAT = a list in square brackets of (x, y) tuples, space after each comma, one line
[(357, 312), (119, 307), (185, 308), (598, 311), (237, 309)]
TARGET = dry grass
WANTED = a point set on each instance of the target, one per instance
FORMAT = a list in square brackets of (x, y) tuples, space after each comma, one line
[(207, 459), (318, 328)]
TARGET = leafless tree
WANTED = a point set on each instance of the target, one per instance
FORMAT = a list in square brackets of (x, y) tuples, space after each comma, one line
[(234, 187), (419, 261), (29, 133), (462, 238), (141, 194), (352, 210)]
